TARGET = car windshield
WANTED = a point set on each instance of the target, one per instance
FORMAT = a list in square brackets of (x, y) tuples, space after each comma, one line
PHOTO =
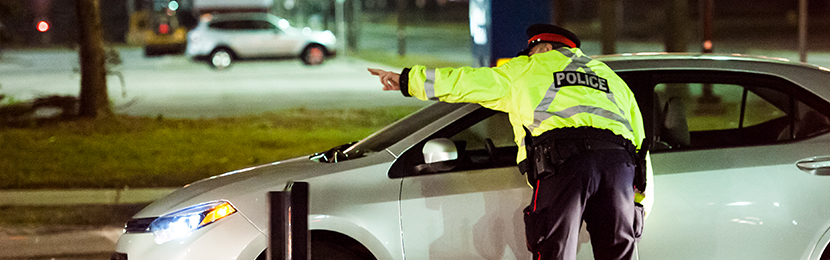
[(387, 136)]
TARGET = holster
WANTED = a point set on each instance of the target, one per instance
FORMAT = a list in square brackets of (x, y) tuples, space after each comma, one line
[(641, 167), (545, 161)]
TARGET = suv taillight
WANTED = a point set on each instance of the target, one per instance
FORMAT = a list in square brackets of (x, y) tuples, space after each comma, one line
[(164, 28)]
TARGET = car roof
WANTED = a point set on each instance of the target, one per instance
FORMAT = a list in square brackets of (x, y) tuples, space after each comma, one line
[(241, 16), (684, 58), (813, 78)]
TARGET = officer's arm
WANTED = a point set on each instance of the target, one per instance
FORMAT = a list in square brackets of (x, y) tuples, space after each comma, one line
[(485, 86)]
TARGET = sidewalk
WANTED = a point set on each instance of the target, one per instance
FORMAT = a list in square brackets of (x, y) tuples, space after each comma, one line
[(81, 197), (32, 239), (58, 243)]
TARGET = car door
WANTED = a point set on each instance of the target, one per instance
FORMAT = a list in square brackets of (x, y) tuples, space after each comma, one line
[(472, 207), (726, 153), (247, 37), (282, 43), (272, 41)]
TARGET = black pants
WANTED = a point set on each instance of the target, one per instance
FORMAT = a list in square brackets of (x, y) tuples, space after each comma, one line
[(595, 185)]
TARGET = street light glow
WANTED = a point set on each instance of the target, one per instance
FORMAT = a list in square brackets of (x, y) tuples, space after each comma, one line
[(173, 6)]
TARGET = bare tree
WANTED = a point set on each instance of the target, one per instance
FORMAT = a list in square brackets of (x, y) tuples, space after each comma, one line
[(94, 101), (676, 35), (402, 28), (608, 10), (353, 12)]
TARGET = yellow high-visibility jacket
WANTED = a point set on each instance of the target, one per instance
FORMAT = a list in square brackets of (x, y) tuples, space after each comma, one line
[(556, 89)]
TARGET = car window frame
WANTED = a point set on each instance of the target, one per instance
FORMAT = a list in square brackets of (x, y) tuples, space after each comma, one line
[(404, 165), (643, 84)]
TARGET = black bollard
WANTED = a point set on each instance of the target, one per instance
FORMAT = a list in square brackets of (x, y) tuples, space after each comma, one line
[(288, 235)]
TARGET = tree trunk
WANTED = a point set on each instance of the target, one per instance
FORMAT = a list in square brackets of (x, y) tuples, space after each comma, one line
[(558, 9), (353, 11), (94, 101), (608, 25), (677, 37), (402, 28)]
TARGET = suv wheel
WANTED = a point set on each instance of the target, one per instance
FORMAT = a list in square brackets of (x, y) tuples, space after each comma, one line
[(220, 58), (313, 54)]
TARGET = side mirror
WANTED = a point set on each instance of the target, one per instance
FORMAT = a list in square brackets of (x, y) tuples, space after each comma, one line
[(440, 155), (439, 150)]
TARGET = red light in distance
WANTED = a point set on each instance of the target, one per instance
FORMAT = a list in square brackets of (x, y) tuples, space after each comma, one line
[(42, 26)]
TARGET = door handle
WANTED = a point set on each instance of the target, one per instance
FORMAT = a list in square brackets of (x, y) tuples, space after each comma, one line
[(819, 165)]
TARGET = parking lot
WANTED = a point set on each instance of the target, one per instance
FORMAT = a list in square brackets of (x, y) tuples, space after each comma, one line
[(173, 86)]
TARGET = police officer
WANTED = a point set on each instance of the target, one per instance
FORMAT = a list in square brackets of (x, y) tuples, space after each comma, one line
[(578, 128)]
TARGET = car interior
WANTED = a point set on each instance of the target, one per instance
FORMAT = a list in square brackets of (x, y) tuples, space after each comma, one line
[(483, 139), (714, 115)]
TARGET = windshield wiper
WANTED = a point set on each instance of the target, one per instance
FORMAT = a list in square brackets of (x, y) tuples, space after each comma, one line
[(333, 155)]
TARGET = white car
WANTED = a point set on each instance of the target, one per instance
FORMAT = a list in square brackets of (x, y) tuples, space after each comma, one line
[(741, 147), (223, 38)]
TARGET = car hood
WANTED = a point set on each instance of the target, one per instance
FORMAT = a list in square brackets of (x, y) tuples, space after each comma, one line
[(238, 186)]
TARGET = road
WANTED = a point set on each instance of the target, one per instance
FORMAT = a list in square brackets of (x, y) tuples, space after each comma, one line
[(174, 86)]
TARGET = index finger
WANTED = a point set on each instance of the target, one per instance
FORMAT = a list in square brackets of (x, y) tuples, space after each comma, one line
[(375, 71)]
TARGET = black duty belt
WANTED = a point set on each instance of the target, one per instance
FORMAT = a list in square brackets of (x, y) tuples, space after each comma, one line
[(592, 144), (585, 138), (552, 148)]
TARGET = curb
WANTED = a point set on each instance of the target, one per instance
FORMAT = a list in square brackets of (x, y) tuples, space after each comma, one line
[(81, 196), (98, 243)]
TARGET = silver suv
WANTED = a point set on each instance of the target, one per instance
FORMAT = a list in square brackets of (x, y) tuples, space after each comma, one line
[(223, 38)]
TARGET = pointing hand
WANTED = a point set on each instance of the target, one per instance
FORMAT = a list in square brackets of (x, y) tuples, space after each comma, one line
[(390, 80)]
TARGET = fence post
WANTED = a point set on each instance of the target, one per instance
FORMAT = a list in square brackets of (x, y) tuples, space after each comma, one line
[(288, 232)]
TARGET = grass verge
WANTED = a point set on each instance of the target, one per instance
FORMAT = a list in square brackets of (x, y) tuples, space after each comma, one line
[(155, 152)]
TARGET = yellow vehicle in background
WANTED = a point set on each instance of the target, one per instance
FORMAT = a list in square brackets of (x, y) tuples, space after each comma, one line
[(159, 31), (161, 26)]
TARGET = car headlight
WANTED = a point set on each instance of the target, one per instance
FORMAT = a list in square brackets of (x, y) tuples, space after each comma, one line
[(182, 223)]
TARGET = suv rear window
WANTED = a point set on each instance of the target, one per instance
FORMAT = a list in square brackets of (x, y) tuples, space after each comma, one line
[(242, 25)]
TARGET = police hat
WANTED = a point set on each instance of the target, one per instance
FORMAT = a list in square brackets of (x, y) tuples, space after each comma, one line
[(549, 33)]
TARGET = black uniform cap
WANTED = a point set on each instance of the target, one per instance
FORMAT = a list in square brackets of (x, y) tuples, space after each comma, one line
[(549, 33)]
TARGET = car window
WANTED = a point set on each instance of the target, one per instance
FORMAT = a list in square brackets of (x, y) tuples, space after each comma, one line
[(262, 25), (496, 128), (484, 139), (222, 25), (393, 133), (242, 25), (710, 115)]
